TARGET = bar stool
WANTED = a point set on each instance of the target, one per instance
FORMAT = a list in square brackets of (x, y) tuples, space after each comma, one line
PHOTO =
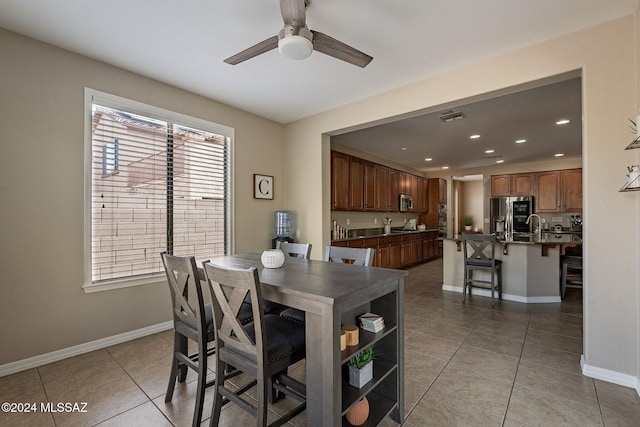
[(482, 261), (571, 273)]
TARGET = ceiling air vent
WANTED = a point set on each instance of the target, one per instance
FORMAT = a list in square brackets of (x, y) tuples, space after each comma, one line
[(449, 116)]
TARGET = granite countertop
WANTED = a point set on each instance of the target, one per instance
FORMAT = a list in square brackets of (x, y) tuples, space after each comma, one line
[(532, 239), (379, 232)]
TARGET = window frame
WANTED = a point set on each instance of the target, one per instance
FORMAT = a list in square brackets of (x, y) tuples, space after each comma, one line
[(92, 96)]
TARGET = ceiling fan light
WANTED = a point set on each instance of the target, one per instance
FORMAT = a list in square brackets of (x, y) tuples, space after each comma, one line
[(295, 47)]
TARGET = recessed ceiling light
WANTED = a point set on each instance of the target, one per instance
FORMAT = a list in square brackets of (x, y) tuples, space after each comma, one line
[(499, 161), (489, 151), (403, 149), (521, 141), (445, 167), (475, 136), (428, 159), (563, 122), (559, 154)]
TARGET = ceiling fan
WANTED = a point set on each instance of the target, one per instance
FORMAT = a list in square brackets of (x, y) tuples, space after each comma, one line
[(296, 41)]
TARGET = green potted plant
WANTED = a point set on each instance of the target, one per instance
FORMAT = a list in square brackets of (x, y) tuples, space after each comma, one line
[(468, 222), (361, 367)]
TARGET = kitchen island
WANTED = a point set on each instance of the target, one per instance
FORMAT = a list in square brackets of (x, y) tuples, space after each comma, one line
[(530, 265)]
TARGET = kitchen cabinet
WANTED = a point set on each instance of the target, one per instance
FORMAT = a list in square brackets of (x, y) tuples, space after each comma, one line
[(382, 189), (572, 190), (395, 251), (339, 181), (507, 185), (558, 191), (500, 185), (369, 186), (437, 195), (422, 198), (394, 190), (383, 258), (356, 184), (547, 197), (442, 191)]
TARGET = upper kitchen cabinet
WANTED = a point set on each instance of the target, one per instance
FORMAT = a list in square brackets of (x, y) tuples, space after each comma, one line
[(383, 203), (369, 190), (340, 181), (394, 190), (520, 184), (356, 184), (572, 190), (558, 191), (442, 190), (421, 200)]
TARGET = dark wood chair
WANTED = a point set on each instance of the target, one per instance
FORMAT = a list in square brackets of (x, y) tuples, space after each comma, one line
[(192, 320), (482, 257), (263, 349)]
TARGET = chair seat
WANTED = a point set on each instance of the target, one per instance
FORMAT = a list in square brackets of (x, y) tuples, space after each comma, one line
[(208, 312), (269, 307), (293, 314), (285, 339), (482, 263)]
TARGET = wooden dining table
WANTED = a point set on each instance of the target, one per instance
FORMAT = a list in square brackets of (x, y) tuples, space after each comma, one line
[(332, 295)]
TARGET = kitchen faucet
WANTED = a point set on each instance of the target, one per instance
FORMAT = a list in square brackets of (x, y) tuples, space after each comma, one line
[(531, 225)]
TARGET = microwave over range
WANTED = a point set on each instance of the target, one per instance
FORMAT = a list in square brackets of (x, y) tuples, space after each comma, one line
[(406, 203)]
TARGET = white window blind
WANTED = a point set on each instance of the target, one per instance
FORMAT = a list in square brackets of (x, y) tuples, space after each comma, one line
[(156, 185)]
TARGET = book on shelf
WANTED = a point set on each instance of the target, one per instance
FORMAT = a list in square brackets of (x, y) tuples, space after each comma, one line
[(371, 322)]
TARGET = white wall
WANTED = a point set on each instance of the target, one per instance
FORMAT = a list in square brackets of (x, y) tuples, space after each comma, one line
[(43, 307), (606, 57)]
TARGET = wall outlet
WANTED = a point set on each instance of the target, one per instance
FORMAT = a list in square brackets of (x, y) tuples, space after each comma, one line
[(348, 221), (556, 219), (486, 220), (375, 220)]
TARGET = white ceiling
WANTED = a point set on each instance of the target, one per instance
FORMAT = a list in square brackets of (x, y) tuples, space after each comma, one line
[(529, 114), (184, 42)]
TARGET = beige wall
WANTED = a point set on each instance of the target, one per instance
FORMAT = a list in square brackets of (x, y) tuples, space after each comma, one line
[(43, 307), (606, 55)]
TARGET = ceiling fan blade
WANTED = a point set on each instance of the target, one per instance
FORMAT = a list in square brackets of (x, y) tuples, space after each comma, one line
[(255, 50), (293, 12), (332, 47)]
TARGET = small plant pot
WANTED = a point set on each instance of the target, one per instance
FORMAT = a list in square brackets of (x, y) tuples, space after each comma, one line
[(468, 227), (360, 377)]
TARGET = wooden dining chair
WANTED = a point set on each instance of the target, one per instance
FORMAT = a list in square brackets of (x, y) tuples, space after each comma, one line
[(192, 320), (480, 255), (296, 250), (263, 349), (355, 256)]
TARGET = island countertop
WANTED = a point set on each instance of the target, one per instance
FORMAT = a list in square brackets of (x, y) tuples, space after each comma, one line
[(532, 238)]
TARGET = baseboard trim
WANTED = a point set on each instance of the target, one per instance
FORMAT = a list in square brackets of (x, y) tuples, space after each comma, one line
[(54, 356), (508, 297), (607, 375)]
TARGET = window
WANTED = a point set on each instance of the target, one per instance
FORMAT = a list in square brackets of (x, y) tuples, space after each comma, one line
[(158, 181)]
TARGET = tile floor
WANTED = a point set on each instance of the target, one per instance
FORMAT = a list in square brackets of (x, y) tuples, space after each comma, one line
[(511, 365)]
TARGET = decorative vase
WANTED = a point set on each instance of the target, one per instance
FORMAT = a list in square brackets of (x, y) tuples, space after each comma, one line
[(272, 258), (360, 377), (468, 227), (358, 413)]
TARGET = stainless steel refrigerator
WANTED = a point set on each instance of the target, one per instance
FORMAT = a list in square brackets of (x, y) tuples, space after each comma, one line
[(509, 214)]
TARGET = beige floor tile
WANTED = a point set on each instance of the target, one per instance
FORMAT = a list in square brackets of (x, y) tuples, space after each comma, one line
[(498, 344), (541, 338), (444, 330), (439, 348), (485, 363), (508, 316), (552, 358), (487, 392), (422, 368), (577, 388), (501, 328), (104, 399), (441, 409), (622, 400), (509, 422), (534, 407), (413, 392), (420, 311), (21, 389), (411, 323), (96, 366), (145, 415), (614, 419), (180, 410)]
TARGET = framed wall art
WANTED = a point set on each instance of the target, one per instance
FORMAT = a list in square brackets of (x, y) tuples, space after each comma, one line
[(262, 187)]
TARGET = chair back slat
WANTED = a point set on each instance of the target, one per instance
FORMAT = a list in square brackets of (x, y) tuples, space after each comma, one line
[(229, 287), (182, 274), (355, 256), (299, 250)]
